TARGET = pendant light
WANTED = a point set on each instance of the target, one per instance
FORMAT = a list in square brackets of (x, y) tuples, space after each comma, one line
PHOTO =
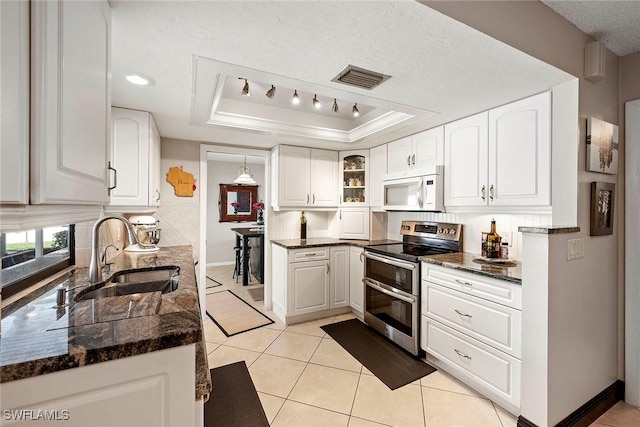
[(355, 110), (295, 99), (271, 92), (244, 175)]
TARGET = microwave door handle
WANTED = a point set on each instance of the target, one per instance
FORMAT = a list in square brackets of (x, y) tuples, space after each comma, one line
[(420, 193), (393, 262), (388, 292)]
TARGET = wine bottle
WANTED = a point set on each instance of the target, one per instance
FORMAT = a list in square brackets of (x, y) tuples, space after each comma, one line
[(303, 226), (493, 242)]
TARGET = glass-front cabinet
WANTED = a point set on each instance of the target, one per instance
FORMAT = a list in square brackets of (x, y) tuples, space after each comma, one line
[(354, 173)]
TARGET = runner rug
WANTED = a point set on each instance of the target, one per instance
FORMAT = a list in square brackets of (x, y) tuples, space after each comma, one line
[(234, 401), (233, 314), (392, 366)]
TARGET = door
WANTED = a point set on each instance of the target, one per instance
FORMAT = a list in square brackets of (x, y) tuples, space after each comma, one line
[(399, 155), (71, 97), (324, 178), (354, 223), (428, 148), (520, 153), (466, 155), (377, 168), (308, 287), (356, 273), (339, 272), (293, 175)]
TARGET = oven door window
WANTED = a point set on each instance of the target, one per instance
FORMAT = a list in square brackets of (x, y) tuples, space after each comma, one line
[(390, 275), (392, 311)]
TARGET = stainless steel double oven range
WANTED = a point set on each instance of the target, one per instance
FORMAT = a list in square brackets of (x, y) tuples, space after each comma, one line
[(392, 279)]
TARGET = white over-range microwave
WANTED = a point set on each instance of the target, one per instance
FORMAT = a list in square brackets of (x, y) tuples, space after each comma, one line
[(420, 191)]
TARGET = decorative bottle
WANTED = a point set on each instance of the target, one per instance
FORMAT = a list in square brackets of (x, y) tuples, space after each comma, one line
[(303, 226), (493, 242)]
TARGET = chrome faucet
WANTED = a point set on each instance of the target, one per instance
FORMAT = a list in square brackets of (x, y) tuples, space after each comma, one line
[(95, 269)]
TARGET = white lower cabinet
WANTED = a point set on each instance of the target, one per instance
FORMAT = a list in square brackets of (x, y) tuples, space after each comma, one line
[(471, 327), (310, 282), (152, 389), (356, 274)]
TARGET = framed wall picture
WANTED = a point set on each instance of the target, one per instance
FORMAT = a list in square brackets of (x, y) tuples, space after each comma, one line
[(602, 146), (236, 203), (602, 202)]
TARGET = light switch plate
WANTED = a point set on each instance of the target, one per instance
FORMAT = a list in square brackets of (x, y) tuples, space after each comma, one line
[(575, 248)]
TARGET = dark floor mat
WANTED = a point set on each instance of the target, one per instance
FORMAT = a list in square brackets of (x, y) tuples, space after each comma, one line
[(234, 401), (388, 363)]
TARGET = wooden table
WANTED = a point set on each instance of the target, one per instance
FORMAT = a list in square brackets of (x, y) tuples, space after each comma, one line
[(242, 236)]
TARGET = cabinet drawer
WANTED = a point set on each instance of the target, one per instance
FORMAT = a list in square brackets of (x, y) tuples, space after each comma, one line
[(500, 291), (492, 369), (309, 254), (493, 324)]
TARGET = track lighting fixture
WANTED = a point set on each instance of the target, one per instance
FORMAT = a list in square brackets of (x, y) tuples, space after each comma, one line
[(334, 108), (271, 92), (245, 88), (355, 110), (295, 99), (316, 103)]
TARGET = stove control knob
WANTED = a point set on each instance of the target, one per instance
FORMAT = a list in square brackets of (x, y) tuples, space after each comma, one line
[(452, 231), (440, 230), (445, 231)]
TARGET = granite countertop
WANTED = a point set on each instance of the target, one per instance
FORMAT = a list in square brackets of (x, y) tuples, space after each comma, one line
[(328, 241), (38, 338), (510, 271)]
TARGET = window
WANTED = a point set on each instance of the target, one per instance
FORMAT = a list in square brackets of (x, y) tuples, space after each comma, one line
[(31, 256)]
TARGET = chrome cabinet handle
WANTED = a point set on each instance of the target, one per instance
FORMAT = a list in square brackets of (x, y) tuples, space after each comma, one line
[(327, 268), (361, 255), (158, 198), (311, 254), (461, 354), (307, 198), (409, 160), (491, 193), (340, 214), (462, 282), (413, 159), (314, 198), (115, 178), (462, 314), (483, 193)]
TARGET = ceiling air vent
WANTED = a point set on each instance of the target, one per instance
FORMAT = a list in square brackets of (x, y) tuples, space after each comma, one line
[(359, 77)]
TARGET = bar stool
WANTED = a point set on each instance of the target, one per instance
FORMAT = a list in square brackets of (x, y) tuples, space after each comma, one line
[(237, 270)]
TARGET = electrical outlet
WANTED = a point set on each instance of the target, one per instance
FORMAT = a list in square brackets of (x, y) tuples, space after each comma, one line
[(506, 237), (575, 248)]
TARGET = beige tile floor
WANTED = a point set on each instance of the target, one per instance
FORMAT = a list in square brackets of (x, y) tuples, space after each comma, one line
[(304, 378)]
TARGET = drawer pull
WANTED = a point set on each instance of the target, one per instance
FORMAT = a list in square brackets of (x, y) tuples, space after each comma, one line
[(462, 314), (461, 354), (462, 282), (311, 254)]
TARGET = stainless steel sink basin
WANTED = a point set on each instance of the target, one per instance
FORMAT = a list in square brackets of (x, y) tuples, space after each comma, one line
[(159, 279)]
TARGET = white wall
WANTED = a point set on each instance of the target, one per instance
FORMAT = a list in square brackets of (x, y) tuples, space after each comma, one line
[(220, 238)]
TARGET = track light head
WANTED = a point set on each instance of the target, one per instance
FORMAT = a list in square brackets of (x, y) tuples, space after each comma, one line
[(316, 103), (355, 110), (245, 88), (295, 99), (271, 92), (334, 108)]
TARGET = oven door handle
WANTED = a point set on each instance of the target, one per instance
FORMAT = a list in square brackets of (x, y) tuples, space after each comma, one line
[(388, 291), (391, 261)]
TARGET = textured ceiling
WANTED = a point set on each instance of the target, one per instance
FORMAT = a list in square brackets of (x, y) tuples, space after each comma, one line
[(437, 63), (616, 23)]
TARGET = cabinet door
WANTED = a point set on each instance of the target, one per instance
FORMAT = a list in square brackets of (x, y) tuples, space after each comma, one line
[(293, 175), (70, 109), (354, 178), (356, 274), (399, 155), (520, 153), (154, 164), (130, 157), (428, 148), (339, 270), (308, 287), (466, 152), (14, 108), (324, 178), (377, 168), (354, 223)]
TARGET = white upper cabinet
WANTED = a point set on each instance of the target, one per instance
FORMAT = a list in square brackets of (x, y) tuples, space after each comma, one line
[(135, 158), (353, 223), (520, 153), (501, 157), (466, 153), (304, 177), (424, 149), (14, 108), (377, 168), (354, 178), (70, 102)]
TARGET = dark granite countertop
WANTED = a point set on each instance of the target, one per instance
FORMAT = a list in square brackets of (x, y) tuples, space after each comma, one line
[(328, 241), (510, 271), (38, 338)]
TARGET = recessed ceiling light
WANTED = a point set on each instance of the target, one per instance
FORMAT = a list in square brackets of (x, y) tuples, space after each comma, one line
[(316, 103), (295, 99), (140, 79)]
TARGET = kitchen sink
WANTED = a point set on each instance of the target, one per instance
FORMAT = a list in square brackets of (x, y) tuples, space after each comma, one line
[(158, 279)]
